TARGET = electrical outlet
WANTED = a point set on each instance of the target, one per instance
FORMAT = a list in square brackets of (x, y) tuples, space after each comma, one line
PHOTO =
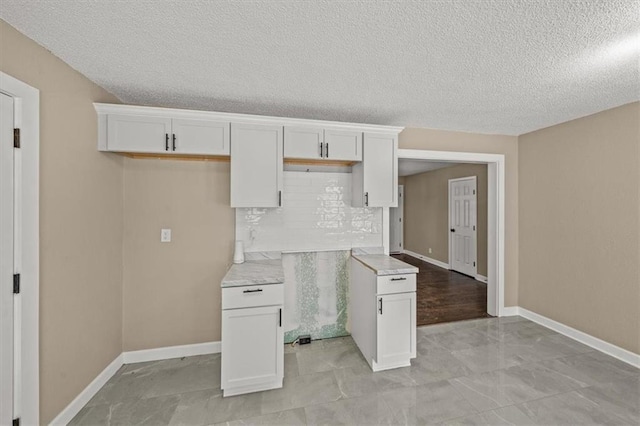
[(305, 339), (430, 251), (165, 235)]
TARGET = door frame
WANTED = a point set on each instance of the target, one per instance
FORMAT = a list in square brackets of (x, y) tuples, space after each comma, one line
[(495, 215), (401, 207), (475, 180), (27, 259)]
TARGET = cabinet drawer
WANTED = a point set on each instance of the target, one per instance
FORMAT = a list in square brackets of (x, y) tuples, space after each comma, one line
[(251, 296), (389, 284)]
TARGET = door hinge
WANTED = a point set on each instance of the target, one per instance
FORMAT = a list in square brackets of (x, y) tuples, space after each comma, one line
[(16, 422), (16, 283), (16, 138)]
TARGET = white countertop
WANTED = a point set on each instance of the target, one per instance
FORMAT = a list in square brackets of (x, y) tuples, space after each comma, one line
[(382, 264), (254, 272)]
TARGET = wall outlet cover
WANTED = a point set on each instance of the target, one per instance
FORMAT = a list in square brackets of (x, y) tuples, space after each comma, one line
[(165, 235)]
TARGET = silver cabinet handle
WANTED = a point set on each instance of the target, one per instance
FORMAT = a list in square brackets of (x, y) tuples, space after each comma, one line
[(321, 149), (326, 150), (279, 198), (257, 290), (366, 199), (380, 308), (399, 279)]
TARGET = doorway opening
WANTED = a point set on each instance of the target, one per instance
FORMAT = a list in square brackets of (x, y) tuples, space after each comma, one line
[(482, 262)]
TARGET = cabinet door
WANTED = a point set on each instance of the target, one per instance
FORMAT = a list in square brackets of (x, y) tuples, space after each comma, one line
[(303, 142), (256, 165), (375, 180), (396, 331), (343, 145), (252, 347), (137, 133), (202, 137)]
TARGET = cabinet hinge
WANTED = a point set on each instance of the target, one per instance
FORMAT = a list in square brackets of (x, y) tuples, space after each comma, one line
[(16, 283), (16, 138), (16, 422)]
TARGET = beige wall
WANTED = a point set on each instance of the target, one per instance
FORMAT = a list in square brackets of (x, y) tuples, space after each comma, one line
[(443, 140), (172, 290), (426, 212), (80, 225), (579, 224)]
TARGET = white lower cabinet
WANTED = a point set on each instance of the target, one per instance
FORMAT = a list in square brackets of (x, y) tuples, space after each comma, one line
[(396, 330), (252, 343), (383, 317)]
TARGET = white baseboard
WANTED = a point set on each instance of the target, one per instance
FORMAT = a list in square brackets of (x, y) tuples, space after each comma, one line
[(481, 278), (81, 400), (510, 311), (427, 259), (169, 352), (587, 339)]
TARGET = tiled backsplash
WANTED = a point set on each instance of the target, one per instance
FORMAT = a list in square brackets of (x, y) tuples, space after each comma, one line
[(316, 216)]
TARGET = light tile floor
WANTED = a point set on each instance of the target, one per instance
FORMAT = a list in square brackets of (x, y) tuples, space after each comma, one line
[(495, 371)]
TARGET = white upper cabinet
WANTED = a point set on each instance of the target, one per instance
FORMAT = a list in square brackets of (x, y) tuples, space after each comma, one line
[(256, 165), (344, 145), (313, 143), (136, 133), (375, 180), (163, 134), (200, 137), (303, 143)]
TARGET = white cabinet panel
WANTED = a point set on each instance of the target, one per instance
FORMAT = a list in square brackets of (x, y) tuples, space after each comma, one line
[(256, 165), (251, 296), (303, 142), (133, 133), (202, 137), (314, 143), (396, 328), (375, 180), (343, 145), (252, 349)]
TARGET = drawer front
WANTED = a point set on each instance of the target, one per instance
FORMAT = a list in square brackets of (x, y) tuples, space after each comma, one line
[(252, 296), (389, 284)]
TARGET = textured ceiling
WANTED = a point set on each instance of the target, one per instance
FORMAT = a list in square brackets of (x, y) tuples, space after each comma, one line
[(492, 66)]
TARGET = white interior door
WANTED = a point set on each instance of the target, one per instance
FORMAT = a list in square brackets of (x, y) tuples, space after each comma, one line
[(462, 225), (6, 260), (396, 223)]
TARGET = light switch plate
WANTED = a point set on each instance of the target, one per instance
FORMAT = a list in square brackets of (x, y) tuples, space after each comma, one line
[(165, 235)]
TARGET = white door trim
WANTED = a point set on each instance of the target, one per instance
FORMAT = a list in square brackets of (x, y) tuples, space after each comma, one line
[(449, 225), (400, 209), (27, 119), (495, 210)]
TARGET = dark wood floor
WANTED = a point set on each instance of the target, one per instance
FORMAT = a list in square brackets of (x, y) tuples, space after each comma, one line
[(446, 296)]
